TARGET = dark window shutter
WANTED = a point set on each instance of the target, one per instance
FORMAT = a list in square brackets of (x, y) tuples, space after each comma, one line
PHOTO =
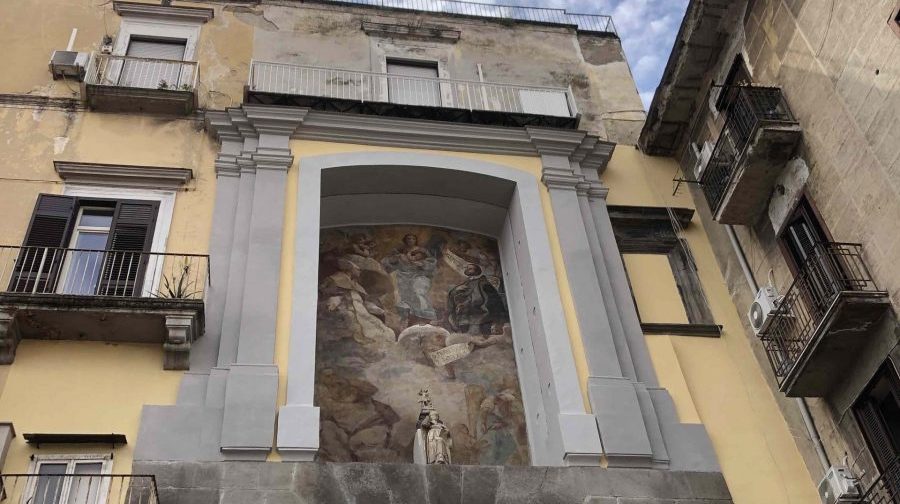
[(39, 261), (131, 234), (875, 433)]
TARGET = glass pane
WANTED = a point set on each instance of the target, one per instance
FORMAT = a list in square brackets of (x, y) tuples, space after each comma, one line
[(91, 240), (48, 489), (96, 217), (83, 267), (85, 488)]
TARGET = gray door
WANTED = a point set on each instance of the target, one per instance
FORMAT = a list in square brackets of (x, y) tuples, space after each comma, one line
[(413, 84), (156, 64)]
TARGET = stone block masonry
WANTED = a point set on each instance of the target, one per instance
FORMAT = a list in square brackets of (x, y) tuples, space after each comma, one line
[(364, 483)]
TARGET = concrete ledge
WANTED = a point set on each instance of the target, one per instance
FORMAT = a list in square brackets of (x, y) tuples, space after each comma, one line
[(310, 482)]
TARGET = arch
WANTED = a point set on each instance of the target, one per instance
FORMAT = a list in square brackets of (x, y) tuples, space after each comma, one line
[(486, 198)]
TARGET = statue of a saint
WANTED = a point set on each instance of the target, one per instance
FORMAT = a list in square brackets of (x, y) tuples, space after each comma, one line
[(432, 441), (437, 439)]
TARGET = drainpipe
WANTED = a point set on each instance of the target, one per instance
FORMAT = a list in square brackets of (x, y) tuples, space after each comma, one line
[(801, 402)]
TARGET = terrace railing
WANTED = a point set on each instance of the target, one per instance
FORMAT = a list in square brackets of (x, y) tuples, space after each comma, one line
[(543, 15), (830, 270), (118, 273), (746, 109), (78, 489), (364, 86), (141, 73)]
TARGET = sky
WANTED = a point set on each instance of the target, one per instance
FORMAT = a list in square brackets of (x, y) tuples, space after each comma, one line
[(647, 29)]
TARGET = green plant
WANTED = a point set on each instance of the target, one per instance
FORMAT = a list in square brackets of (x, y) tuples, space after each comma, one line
[(179, 284), (163, 85), (185, 87)]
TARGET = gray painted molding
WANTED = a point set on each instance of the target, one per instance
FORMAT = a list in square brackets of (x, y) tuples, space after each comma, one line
[(560, 432), (177, 13), (146, 177), (588, 150)]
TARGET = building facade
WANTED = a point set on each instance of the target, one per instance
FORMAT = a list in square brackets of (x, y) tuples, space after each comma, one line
[(783, 116), (242, 239)]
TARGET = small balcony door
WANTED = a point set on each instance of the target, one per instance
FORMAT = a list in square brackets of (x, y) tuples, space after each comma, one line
[(413, 83), (803, 240), (81, 270), (159, 66)]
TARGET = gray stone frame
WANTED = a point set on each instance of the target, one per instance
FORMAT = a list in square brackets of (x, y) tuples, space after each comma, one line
[(226, 405), (560, 432)]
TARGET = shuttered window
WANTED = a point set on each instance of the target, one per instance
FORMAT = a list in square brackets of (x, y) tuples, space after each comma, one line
[(157, 49), (413, 83), (116, 269), (878, 413)]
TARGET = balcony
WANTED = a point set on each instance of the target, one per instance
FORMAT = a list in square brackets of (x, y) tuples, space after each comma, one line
[(885, 489), (759, 137), (823, 320), (130, 84), (102, 295), (590, 23), (50, 488), (393, 95)]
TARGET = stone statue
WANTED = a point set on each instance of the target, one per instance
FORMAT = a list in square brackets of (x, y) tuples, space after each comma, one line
[(432, 442), (437, 439)]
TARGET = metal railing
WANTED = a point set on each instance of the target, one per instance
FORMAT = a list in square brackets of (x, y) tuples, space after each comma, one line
[(544, 15), (78, 488), (142, 73), (831, 269), (365, 86), (886, 487), (745, 109), (118, 273)]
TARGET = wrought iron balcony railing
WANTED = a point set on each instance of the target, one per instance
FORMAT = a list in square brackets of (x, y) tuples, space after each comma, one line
[(117, 273), (831, 270), (366, 87), (542, 15), (886, 487), (78, 488), (746, 109), (141, 73)]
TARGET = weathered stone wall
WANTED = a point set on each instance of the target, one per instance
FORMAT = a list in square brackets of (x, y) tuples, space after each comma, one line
[(838, 68), (317, 483), (526, 54)]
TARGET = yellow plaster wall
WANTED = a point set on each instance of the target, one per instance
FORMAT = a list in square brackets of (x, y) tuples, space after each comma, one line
[(89, 387), (716, 381), (305, 148), (35, 28), (82, 387)]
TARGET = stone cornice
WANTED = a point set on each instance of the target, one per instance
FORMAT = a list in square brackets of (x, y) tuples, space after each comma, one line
[(411, 31), (138, 9), (148, 177), (251, 121)]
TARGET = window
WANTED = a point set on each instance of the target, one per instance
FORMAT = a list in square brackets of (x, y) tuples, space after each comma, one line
[(802, 234), (738, 75), (85, 246), (802, 244), (154, 64), (877, 412), (68, 479), (413, 83)]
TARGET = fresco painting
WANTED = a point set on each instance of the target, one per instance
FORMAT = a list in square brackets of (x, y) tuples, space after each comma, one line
[(402, 308)]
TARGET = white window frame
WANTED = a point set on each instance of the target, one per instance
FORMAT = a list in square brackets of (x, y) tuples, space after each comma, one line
[(71, 460), (158, 29), (166, 199), (77, 229)]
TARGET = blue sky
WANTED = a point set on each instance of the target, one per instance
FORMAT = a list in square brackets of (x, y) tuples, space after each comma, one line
[(647, 29)]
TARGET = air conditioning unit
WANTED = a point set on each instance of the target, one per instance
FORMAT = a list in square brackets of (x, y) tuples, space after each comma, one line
[(760, 313), (839, 486), (68, 64), (703, 159)]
